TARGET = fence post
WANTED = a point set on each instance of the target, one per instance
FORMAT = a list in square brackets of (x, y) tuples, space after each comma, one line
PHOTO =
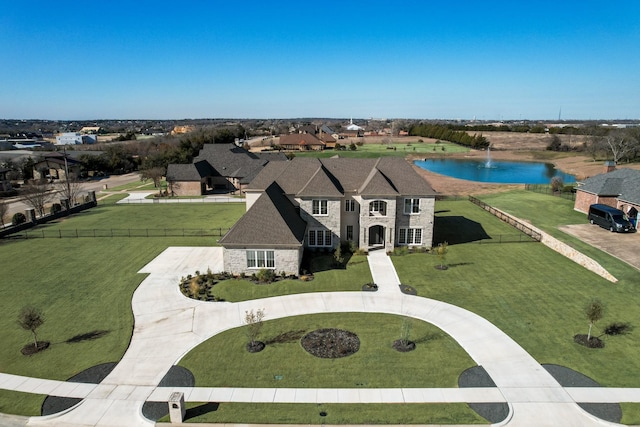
[(59, 233)]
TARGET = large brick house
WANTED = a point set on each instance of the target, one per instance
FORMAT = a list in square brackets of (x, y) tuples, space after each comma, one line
[(618, 188), (222, 167), (319, 203)]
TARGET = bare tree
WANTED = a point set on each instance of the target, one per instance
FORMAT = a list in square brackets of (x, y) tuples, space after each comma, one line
[(4, 209), (30, 319), (37, 195), (155, 174), (621, 144), (70, 190), (253, 321)]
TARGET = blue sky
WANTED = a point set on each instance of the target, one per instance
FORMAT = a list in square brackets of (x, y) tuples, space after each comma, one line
[(266, 59)]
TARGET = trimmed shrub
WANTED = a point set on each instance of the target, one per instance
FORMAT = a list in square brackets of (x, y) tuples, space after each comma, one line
[(265, 275), (18, 218)]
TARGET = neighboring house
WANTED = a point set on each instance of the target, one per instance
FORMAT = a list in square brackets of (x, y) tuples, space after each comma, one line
[(317, 204), (218, 167), (55, 166), (301, 142), (619, 188)]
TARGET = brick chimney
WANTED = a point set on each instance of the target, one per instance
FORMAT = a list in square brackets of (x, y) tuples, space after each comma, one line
[(609, 166)]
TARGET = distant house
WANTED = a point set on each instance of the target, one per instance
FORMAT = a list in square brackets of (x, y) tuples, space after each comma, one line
[(618, 188), (301, 142), (55, 166), (317, 204), (218, 167)]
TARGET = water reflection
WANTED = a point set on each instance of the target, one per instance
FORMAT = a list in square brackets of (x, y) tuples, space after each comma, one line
[(495, 171)]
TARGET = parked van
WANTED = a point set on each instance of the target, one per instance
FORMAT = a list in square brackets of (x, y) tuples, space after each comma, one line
[(610, 218)]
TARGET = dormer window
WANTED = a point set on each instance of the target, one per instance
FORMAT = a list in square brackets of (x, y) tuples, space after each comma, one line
[(378, 208), (319, 207)]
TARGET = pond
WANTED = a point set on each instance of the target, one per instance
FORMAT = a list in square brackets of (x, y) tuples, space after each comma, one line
[(495, 171)]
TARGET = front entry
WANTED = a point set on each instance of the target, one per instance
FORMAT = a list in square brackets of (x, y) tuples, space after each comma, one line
[(376, 235)]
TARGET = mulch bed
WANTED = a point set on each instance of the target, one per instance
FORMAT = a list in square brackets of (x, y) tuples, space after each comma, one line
[(593, 342), (409, 290), (31, 349), (331, 343), (404, 346), (255, 347), (176, 377)]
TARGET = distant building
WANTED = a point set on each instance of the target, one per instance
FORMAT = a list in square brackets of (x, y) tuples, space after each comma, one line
[(178, 130), (75, 138)]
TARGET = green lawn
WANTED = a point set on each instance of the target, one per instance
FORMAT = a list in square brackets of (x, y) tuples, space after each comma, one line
[(84, 286), (535, 296), (438, 361), (139, 186), (380, 150), (364, 414), (351, 278)]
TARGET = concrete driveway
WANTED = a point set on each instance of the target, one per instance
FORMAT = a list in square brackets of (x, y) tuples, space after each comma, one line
[(625, 246)]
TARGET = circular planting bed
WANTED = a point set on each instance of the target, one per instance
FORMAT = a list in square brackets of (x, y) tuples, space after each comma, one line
[(331, 343), (593, 342), (409, 290), (31, 348), (404, 345)]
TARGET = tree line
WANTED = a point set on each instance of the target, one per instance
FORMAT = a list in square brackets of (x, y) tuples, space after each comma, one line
[(447, 133)]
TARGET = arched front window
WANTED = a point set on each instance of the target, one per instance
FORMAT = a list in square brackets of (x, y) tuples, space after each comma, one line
[(378, 208)]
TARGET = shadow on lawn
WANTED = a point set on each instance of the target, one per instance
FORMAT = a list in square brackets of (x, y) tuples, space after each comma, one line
[(457, 229), (89, 336), (201, 410)]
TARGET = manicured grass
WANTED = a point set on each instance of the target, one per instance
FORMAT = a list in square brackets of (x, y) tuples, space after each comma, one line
[(630, 413), (139, 186), (84, 286), (204, 216), (548, 213), (537, 297), (223, 361), (380, 150), (352, 278), (365, 414), (17, 403)]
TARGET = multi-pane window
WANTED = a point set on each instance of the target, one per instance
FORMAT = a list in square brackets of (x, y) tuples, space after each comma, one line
[(319, 238), (411, 206), (350, 232), (319, 207), (378, 207), (410, 236), (350, 205), (260, 259)]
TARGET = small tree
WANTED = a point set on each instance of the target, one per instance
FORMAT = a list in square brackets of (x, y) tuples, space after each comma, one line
[(594, 312), (70, 190), (441, 251), (155, 174), (253, 320), (30, 319), (405, 331), (556, 184)]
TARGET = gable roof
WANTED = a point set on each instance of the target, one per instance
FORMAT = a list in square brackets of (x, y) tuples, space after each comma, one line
[(622, 183), (386, 176), (305, 139), (271, 221), (188, 172)]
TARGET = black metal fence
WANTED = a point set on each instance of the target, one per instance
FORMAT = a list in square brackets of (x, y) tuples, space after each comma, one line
[(44, 233), (508, 219), (546, 189)]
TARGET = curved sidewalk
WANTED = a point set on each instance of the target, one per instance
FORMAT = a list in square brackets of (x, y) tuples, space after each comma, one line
[(168, 325)]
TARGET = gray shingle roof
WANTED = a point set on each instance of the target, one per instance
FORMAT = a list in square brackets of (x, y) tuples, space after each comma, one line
[(622, 183), (271, 221), (383, 177), (189, 172)]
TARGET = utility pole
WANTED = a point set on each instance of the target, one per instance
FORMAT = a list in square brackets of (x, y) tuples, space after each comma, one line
[(66, 174)]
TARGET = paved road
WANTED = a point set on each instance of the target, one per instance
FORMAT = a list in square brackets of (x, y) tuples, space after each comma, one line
[(17, 205)]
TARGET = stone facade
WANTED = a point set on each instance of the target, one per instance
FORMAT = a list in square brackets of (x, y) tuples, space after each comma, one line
[(286, 259), (329, 221), (187, 188)]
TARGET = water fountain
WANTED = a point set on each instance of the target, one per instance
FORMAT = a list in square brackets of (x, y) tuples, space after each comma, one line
[(487, 163)]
